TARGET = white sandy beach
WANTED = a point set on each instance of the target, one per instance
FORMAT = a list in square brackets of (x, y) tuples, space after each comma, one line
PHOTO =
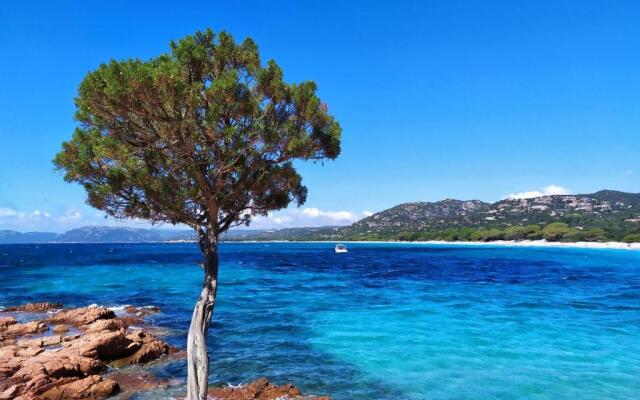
[(502, 243), (527, 243)]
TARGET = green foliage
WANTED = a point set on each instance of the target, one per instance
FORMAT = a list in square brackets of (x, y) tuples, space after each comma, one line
[(460, 234), (594, 235), (531, 232), (585, 235), (534, 234), (556, 231), (632, 238), (487, 235), (407, 236), (204, 135), (552, 232)]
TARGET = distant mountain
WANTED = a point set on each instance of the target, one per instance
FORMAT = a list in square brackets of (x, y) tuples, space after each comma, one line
[(103, 234), (27, 237), (616, 214), (96, 234), (420, 215)]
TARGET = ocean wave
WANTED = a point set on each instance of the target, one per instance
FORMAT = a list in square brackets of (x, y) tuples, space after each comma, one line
[(119, 308), (238, 386), (124, 306)]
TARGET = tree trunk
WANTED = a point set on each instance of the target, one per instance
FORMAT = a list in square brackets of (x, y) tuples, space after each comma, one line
[(197, 356)]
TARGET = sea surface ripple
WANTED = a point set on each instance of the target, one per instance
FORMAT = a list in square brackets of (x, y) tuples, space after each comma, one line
[(384, 321)]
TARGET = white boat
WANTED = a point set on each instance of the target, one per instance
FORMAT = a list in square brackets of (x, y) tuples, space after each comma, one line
[(341, 248)]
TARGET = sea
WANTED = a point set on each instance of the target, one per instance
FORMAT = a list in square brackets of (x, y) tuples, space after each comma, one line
[(383, 321)]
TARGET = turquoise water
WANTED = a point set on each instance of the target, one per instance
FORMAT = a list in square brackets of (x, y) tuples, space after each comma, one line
[(384, 321)]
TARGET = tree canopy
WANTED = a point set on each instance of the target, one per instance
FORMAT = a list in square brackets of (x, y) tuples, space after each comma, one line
[(204, 135)]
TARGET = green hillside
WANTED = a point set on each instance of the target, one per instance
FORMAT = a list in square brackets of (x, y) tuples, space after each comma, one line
[(606, 215)]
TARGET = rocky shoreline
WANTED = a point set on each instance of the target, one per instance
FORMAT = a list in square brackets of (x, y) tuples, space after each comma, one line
[(60, 354)]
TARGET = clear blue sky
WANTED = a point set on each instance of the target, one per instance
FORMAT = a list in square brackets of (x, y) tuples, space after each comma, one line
[(448, 99)]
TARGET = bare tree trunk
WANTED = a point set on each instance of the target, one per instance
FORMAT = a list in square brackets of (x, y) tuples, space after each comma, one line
[(197, 356)]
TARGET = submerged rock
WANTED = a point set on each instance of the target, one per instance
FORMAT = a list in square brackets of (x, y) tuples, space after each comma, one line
[(128, 320), (136, 381), (260, 389), (35, 307), (61, 328), (142, 311)]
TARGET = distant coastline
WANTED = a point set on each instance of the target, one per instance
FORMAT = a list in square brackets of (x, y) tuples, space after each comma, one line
[(501, 243), (540, 243), (110, 235), (605, 219)]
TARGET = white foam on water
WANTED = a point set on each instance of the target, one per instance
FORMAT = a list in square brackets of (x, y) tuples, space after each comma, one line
[(119, 308), (238, 386)]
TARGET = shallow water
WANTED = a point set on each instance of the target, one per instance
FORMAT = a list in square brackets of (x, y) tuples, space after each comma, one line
[(384, 321)]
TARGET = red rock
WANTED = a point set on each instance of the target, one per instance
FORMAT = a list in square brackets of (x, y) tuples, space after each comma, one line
[(142, 311), (129, 320), (27, 328), (6, 321), (53, 365), (31, 370), (260, 389), (10, 362), (40, 342), (81, 316), (61, 328), (35, 375), (145, 348), (150, 351), (11, 392), (30, 352), (91, 387), (112, 324), (104, 345), (136, 347), (35, 307), (101, 325)]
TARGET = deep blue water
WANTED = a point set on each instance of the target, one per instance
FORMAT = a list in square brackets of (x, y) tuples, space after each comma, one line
[(384, 321)]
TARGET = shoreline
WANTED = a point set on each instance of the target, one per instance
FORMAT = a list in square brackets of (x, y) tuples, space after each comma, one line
[(97, 352), (495, 243), (543, 243)]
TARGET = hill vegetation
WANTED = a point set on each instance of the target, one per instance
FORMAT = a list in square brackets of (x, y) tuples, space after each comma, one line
[(606, 215)]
